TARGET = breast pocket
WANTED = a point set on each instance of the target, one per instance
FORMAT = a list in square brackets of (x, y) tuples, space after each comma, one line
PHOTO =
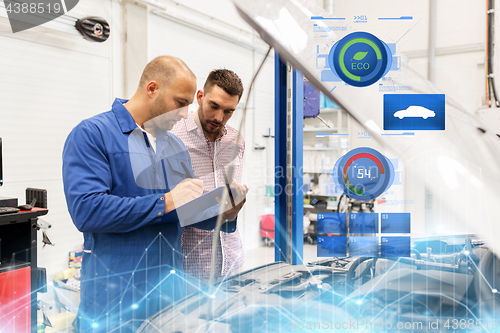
[(174, 171)]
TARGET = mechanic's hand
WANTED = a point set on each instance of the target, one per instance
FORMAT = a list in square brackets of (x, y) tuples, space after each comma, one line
[(187, 190), (230, 211)]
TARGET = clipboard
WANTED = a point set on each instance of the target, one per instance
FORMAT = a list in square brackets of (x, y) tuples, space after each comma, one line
[(206, 206)]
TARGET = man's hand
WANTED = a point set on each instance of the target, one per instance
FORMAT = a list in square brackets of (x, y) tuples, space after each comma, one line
[(187, 190), (230, 211)]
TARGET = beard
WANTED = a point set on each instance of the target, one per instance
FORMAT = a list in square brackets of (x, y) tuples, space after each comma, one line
[(206, 123), (159, 117)]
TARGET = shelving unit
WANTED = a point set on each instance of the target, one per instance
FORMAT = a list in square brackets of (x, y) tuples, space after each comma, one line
[(329, 110), (322, 151), (329, 208)]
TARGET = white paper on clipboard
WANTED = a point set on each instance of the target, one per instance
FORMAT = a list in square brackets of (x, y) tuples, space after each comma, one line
[(199, 209)]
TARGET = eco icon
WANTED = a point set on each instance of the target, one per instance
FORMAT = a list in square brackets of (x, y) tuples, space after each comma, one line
[(360, 59)]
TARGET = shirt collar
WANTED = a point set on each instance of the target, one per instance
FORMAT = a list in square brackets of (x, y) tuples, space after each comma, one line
[(123, 116), (128, 124), (193, 124)]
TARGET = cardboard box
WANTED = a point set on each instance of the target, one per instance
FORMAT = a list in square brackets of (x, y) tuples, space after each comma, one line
[(61, 321)]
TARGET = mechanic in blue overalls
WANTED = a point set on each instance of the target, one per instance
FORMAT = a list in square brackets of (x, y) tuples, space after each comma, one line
[(122, 173)]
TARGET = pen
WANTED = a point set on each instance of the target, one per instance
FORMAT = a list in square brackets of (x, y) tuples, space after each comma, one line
[(228, 188), (186, 170)]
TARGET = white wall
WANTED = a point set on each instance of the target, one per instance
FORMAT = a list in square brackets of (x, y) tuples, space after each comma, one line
[(50, 80)]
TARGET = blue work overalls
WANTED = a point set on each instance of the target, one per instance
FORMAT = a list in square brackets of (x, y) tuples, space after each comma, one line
[(132, 265)]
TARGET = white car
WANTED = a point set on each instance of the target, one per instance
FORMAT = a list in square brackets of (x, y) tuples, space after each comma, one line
[(415, 111)]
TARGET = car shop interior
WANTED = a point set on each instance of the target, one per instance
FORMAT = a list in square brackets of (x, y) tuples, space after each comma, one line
[(249, 166)]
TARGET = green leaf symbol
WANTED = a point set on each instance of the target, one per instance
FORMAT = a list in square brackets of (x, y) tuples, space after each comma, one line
[(360, 55)]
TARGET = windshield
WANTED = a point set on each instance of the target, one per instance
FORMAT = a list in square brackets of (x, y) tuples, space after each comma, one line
[(457, 166)]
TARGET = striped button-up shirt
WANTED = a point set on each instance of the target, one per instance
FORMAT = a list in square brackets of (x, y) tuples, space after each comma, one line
[(210, 162)]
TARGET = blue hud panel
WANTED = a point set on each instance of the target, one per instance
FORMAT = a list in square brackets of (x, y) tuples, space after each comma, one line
[(332, 246), (334, 223), (395, 247), (360, 246), (414, 111), (363, 223), (396, 223)]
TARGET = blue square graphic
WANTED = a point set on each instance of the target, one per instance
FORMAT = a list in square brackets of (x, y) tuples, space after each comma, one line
[(395, 223), (414, 111), (332, 246), (328, 76), (363, 223), (335, 223), (360, 246), (395, 247)]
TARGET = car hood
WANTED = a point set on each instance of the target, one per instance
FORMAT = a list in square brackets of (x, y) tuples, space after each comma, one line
[(269, 298)]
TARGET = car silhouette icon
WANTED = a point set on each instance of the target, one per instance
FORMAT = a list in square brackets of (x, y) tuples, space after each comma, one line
[(415, 111)]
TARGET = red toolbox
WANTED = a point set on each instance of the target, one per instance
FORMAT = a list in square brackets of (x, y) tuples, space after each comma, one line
[(15, 298)]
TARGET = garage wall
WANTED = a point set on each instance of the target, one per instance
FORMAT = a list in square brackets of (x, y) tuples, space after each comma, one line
[(50, 80), (204, 52)]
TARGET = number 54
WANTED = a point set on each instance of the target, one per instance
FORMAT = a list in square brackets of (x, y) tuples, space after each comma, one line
[(361, 175)]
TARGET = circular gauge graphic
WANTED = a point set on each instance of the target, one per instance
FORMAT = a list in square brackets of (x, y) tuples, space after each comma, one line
[(363, 174), (360, 59)]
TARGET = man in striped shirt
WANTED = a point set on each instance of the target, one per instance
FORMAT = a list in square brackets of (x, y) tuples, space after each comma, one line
[(211, 143)]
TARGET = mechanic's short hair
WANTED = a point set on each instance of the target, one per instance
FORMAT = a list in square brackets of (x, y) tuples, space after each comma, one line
[(164, 69), (228, 80)]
